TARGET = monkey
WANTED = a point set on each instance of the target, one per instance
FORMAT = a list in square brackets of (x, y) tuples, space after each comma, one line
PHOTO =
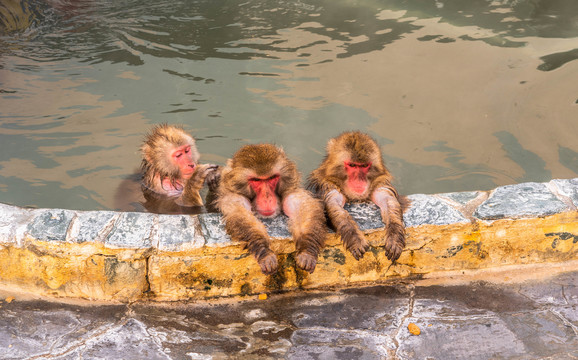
[(354, 170), (260, 181), (171, 173)]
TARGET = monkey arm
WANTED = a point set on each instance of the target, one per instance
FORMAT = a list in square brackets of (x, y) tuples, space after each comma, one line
[(392, 216), (307, 225), (344, 225), (242, 225), (191, 194)]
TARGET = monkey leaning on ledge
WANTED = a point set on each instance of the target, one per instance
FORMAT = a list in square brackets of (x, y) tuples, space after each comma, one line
[(354, 170), (260, 181)]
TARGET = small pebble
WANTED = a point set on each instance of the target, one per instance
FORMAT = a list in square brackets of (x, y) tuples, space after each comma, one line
[(262, 296), (414, 329)]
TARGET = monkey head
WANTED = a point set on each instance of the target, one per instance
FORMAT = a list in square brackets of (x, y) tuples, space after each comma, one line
[(263, 174), (356, 160), (169, 152)]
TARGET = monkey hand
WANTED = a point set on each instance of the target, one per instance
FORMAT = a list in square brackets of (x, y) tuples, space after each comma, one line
[(358, 247), (213, 177), (306, 261), (394, 244), (268, 263)]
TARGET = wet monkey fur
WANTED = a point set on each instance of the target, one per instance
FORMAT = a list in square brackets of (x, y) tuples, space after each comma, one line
[(170, 166), (260, 181), (354, 170)]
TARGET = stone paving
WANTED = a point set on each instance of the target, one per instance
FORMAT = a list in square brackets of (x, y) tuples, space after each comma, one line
[(533, 319)]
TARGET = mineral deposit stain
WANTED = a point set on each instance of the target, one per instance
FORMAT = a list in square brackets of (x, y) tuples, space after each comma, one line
[(562, 236)]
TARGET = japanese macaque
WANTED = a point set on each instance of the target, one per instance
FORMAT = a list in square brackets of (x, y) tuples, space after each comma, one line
[(170, 167), (260, 181), (354, 170)]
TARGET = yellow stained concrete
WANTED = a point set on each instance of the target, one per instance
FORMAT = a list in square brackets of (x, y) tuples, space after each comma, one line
[(94, 271)]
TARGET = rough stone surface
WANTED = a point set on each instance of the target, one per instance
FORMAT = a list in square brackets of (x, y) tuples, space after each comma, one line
[(91, 226), (430, 210), (179, 233), (50, 224), (474, 320), (13, 223), (568, 188), (213, 229), (132, 230), (521, 200), (461, 198), (367, 215)]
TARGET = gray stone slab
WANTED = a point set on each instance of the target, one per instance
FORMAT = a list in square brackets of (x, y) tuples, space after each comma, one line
[(382, 312), (520, 200), (42, 330), (543, 333), (92, 226), (366, 214), (130, 340), (460, 338), (213, 228), (461, 198), (430, 210), (13, 223), (568, 314), (179, 232), (50, 224), (132, 230), (330, 344), (277, 227), (568, 188)]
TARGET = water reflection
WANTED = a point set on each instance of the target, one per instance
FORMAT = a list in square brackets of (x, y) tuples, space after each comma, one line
[(461, 95)]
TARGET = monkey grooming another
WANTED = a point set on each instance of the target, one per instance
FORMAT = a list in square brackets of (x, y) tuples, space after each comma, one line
[(260, 181), (354, 170), (171, 170)]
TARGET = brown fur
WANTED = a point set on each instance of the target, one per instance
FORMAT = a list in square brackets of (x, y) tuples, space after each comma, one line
[(331, 175), (157, 164), (235, 201)]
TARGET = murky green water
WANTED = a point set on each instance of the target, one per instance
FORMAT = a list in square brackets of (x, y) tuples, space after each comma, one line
[(462, 95)]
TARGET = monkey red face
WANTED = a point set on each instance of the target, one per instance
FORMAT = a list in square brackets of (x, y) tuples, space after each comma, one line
[(183, 158), (266, 200), (357, 176)]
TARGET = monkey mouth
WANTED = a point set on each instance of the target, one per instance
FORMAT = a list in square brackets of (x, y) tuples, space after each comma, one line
[(266, 213), (190, 169), (358, 187)]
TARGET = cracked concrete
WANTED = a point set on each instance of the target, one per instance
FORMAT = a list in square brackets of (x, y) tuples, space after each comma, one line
[(516, 313)]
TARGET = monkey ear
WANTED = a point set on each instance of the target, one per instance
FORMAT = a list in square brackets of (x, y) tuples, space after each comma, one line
[(330, 143)]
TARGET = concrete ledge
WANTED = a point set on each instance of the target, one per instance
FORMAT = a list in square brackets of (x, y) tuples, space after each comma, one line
[(130, 256)]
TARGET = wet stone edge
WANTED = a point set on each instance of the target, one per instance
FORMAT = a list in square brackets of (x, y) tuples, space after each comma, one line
[(130, 230)]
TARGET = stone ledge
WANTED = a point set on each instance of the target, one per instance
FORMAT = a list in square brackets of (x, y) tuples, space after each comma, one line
[(107, 255)]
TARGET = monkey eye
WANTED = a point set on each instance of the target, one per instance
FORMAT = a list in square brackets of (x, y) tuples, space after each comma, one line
[(349, 164), (187, 149)]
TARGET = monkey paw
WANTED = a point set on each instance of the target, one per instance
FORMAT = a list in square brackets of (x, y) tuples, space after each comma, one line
[(394, 244), (213, 177), (358, 248), (268, 263), (306, 261)]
